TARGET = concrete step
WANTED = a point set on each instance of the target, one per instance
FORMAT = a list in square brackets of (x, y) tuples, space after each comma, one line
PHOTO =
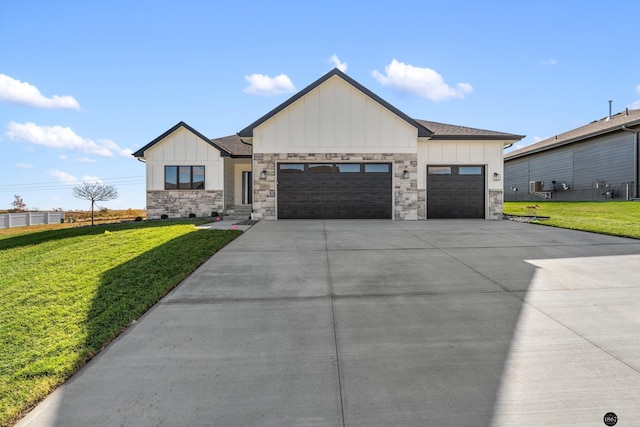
[(240, 210)]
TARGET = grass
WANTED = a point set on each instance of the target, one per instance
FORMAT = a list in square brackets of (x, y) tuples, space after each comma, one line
[(65, 294), (614, 218)]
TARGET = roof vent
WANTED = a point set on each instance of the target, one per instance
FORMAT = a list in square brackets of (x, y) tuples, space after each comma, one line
[(610, 101)]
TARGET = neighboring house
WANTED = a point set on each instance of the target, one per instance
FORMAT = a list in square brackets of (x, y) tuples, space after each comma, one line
[(333, 150), (598, 161)]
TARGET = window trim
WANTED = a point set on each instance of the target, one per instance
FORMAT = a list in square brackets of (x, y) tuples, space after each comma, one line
[(200, 185)]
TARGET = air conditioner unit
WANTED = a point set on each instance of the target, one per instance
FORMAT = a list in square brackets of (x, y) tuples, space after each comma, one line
[(536, 186)]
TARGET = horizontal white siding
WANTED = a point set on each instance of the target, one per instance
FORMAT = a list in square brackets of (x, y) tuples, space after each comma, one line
[(335, 117)]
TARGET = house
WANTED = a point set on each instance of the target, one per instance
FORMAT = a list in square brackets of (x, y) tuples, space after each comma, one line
[(333, 150), (598, 161)]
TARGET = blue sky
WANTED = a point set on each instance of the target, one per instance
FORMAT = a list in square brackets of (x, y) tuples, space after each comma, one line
[(84, 83)]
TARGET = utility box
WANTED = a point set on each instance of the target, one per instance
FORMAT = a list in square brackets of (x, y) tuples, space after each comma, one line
[(536, 187)]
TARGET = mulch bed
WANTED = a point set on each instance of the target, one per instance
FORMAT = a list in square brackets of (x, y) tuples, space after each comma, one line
[(524, 218)]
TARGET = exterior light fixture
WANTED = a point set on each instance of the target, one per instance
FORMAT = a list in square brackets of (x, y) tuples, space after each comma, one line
[(405, 174), (263, 174), (496, 176)]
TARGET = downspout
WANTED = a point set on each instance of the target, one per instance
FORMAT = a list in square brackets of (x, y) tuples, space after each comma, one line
[(636, 150)]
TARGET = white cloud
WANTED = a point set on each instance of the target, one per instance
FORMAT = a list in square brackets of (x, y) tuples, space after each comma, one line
[(87, 160), (342, 66), (126, 152), (548, 62), (69, 179), (261, 84), (539, 138), (63, 177), (23, 166), (63, 138), (23, 93), (62, 157), (422, 82)]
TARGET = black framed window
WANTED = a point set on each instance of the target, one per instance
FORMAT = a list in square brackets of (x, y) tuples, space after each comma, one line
[(376, 168), (333, 168), (184, 177)]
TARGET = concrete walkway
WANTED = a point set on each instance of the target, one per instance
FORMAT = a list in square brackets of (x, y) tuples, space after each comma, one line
[(380, 323)]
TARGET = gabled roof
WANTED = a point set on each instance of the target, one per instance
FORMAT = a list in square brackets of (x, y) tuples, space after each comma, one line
[(446, 131), (248, 131), (140, 152), (595, 128)]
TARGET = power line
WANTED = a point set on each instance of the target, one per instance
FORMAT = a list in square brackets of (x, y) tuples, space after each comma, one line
[(78, 180), (43, 186)]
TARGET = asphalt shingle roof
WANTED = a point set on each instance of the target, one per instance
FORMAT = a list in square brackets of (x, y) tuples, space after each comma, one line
[(597, 127), (233, 145), (447, 131)]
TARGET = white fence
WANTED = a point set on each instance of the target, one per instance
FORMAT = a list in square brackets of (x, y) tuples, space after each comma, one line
[(24, 219)]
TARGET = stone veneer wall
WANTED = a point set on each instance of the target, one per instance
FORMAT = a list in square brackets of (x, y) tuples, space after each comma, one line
[(495, 204), (405, 191), (180, 203), (422, 204)]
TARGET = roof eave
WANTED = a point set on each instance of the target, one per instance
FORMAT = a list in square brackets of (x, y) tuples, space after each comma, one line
[(140, 152), (513, 138), (571, 140)]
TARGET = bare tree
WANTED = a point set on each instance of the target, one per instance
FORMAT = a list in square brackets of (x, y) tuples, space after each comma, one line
[(95, 192), (18, 204)]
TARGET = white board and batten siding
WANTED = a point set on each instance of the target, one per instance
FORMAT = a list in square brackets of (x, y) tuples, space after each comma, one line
[(447, 152), (335, 117), (184, 148)]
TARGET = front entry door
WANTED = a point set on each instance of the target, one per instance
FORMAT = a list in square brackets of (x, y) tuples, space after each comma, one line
[(247, 188)]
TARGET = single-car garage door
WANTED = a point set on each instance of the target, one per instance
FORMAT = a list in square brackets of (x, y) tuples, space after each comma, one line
[(455, 192), (334, 191)]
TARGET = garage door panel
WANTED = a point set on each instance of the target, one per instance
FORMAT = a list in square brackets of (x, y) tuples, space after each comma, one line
[(451, 194), (332, 195)]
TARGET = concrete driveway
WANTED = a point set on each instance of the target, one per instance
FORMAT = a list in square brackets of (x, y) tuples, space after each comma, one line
[(380, 323)]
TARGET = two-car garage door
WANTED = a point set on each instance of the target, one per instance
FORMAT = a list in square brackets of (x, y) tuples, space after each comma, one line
[(334, 191), (365, 191)]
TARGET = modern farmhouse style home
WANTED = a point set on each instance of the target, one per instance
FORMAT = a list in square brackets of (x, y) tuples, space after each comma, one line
[(333, 150)]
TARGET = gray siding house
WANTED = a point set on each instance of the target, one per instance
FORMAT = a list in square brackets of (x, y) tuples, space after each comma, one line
[(598, 161)]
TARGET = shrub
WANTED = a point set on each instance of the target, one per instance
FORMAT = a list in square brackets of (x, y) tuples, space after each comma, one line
[(164, 216), (138, 218), (192, 215), (214, 214)]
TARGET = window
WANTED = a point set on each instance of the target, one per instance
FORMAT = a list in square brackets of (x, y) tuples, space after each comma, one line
[(331, 168), (376, 167), (348, 167), (198, 178), (470, 170), (291, 167), (184, 177), (170, 177), (439, 170), (321, 168)]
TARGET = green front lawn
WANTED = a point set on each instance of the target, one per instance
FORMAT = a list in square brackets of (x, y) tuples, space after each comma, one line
[(65, 294), (615, 218)]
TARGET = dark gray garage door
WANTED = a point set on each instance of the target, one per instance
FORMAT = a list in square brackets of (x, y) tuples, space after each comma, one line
[(334, 191), (455, 192)]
